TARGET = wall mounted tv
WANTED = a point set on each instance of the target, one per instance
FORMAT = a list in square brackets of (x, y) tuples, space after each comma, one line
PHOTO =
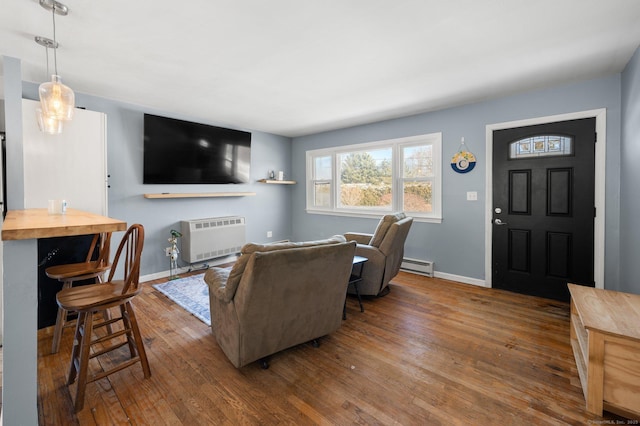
[(182, 152)]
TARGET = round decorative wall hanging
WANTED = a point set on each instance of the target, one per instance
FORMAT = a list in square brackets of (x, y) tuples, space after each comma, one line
[(463, 161)]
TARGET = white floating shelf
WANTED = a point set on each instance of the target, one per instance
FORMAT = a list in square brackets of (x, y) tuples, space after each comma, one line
[(198, 194), (278, 182)]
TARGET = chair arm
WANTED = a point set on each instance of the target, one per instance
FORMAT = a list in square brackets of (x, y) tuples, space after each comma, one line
[(372, 253), (358, 237), (216, 279)]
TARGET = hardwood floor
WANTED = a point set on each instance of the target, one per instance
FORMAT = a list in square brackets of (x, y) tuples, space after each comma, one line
[(430, 352)]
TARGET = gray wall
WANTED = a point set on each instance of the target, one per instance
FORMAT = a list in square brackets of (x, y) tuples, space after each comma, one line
[(457, 245), (630, 178), (268, 210)]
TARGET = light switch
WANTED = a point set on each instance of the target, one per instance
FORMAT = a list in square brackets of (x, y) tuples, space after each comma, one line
[(472, 196)]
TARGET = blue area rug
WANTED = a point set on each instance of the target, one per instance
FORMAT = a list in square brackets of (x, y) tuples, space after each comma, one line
[(191, 293)]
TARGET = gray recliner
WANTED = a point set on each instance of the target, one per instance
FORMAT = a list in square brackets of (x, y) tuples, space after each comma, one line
[(384, 249), (279, 295)]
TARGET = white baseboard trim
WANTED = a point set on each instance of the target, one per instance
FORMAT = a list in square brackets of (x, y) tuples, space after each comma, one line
[(460, 278), (452, 277), (203, 266), (161, 274), (222, 260)]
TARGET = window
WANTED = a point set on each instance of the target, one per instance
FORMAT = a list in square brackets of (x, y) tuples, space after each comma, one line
[(541, 146), (365, 179), (377, 178), (417, 178), (322, 181)]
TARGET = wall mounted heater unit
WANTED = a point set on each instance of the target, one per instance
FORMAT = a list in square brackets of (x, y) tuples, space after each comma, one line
[(204, 239), (415, 266)]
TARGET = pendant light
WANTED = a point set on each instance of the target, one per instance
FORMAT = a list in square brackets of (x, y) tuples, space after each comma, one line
[(56, 99), (49, 125)]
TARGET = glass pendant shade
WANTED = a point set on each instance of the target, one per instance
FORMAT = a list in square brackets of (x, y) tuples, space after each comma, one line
[(56, 99), (49, 125)]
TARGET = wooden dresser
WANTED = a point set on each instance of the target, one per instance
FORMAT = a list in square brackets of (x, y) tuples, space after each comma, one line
[(605, 337)]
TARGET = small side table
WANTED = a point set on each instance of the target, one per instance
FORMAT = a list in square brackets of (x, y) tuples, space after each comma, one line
[(355, 279)]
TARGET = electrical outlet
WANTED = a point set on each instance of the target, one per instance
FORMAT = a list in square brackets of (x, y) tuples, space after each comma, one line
[(167, 251), (269, 234)]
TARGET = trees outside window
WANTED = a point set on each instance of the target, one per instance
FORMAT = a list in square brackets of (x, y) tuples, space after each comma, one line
[(365, 179)]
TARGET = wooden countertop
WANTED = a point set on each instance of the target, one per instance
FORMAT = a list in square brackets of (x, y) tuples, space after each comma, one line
[(38, 223), (608, 311)]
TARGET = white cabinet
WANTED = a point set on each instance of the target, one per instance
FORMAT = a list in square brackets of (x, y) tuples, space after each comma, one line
[(71, 166)]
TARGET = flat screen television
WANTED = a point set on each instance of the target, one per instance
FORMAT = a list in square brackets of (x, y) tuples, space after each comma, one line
[(183, 152)]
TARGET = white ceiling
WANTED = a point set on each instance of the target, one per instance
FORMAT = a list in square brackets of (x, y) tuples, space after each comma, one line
[(296, 67)]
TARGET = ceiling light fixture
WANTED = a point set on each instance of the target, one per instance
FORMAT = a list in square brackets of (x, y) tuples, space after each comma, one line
[(56, 99), (49, 125)]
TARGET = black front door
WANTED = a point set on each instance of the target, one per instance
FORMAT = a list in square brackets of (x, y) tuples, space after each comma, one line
[(543, 212)]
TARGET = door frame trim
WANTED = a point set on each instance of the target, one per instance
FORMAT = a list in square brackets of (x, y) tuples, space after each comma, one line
[(599, 196)]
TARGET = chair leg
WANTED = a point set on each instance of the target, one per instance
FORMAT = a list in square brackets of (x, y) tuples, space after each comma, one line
[(106, 315), (264, 363), (61, 321), (75, 352), (126, 323), (138, 340), (85, 346)]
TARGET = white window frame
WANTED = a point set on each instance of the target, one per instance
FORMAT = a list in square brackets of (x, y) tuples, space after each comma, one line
[(396, 145)]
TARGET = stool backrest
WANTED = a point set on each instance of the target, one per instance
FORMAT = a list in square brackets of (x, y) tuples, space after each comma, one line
[(130, 249), (104, 246)]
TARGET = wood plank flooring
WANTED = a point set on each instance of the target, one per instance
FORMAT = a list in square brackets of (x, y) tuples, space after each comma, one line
[(431, 352)]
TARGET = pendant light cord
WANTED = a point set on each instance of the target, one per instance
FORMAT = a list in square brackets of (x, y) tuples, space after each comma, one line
[(46, 49), (55, 43)]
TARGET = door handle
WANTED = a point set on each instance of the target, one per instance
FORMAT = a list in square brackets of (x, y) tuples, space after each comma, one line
[(499, 222)]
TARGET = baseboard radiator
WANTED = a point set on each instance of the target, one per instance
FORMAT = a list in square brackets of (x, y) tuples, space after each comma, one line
[(204, 239), (416, 266)]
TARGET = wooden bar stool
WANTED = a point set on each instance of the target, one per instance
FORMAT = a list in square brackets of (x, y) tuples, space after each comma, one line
[(90, 299), (73, 272)]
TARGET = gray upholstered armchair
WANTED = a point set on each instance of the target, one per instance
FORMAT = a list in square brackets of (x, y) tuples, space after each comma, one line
[(279, 295), (384, 249)]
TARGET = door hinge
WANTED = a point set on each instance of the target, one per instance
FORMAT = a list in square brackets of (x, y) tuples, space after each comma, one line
[(594, 212), (595, 137)]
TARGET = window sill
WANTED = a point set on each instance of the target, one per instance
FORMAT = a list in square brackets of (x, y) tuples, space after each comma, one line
[(372, 215)]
